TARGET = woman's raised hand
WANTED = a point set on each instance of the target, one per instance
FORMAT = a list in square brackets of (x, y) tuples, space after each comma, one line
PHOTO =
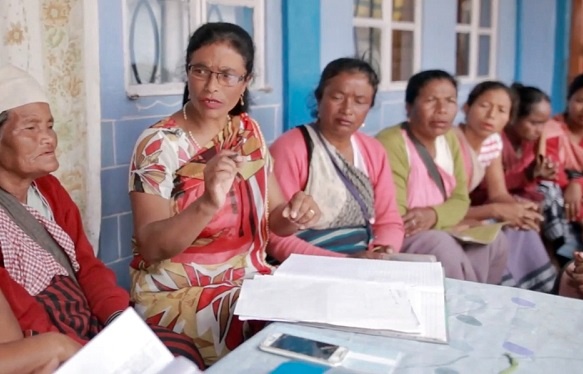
[(545, 168), (219, 175)]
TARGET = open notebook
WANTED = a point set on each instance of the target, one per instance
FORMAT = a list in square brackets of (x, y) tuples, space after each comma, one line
[(481, 234), (403, 299)]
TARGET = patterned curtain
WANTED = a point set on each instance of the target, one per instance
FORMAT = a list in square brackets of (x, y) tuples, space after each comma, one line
[(56, 41)]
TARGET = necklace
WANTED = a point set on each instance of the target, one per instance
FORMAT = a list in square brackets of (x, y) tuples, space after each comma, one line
[(198, 147), (190, 132)]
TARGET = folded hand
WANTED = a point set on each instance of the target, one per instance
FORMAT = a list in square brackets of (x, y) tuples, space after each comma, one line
[(417, 220)]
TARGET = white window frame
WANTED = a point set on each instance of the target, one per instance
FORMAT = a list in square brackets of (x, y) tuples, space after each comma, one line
[(475, 31), (386, 25), (197, 16)]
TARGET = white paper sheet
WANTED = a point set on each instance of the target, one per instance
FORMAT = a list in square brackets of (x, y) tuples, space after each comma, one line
[(126, 346), (181, 365), (342, 303), (429, 309), (425, 275), (429, 306)]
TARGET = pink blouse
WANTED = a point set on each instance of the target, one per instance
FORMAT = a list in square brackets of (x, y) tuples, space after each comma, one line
[(291, 170)]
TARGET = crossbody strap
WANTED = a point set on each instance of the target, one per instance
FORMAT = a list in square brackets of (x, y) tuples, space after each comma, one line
[(35, 230), (309, 142), (427, 160), (347, 182)]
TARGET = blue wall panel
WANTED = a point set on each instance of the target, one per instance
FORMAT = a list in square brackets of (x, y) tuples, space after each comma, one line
[(301, 56)]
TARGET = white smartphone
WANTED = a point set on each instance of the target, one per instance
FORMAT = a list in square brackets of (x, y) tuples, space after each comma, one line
[(304, 349)]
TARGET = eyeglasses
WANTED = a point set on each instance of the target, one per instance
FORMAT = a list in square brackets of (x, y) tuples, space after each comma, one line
[(224, 79)]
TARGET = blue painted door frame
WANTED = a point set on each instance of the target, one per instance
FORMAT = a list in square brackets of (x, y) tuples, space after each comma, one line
[(561, 68), (301, 59)]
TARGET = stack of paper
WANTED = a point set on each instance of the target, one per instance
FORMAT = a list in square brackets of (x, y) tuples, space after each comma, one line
[(370, 296)]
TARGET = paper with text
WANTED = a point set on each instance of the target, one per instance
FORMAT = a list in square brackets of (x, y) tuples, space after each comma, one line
[(127, 346)]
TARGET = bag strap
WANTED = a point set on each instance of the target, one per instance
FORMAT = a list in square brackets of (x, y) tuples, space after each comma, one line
[(466, 153), (427, 160), (309, 142), (35, 230), (347, 182)]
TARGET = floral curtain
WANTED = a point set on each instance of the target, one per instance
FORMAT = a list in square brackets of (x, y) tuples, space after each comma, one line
[(56, 41)]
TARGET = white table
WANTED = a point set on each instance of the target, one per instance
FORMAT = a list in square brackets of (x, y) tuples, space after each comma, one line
[(488, 326)]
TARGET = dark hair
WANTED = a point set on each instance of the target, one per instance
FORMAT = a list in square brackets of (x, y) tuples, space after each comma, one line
[(526, 98), (3, 117), (576, 85), (185, 95), (483, 87), (346, 65), (233, 35), (421, 79)]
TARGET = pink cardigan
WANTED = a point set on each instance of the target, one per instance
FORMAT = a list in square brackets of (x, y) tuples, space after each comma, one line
[(291, 170)]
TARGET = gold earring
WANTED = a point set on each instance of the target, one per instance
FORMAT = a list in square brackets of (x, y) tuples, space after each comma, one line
[(242, 101)]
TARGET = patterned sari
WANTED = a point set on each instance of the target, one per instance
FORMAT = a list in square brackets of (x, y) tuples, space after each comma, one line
[(557, 144), (195, 292), (344, 194), (554, 143)]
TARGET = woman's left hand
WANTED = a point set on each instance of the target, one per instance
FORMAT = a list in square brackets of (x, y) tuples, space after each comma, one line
[(573, 195), (419, 219), (302, 210)]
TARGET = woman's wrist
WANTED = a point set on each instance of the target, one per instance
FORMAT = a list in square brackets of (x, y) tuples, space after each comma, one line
[(204, 205), (497, 211), (54, 345), (433, 214), (280, 224)]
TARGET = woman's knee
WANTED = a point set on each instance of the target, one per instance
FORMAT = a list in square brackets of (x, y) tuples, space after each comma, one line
[(499, 248), (447, 250), (435, 242)]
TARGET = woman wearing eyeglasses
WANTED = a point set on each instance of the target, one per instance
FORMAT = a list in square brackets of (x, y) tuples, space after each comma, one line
[(204, 198)]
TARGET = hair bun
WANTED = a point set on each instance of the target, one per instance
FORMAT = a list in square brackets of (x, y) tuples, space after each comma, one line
[(517, 86)]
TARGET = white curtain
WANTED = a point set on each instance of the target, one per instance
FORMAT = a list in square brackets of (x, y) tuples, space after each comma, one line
[(56, 41)]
